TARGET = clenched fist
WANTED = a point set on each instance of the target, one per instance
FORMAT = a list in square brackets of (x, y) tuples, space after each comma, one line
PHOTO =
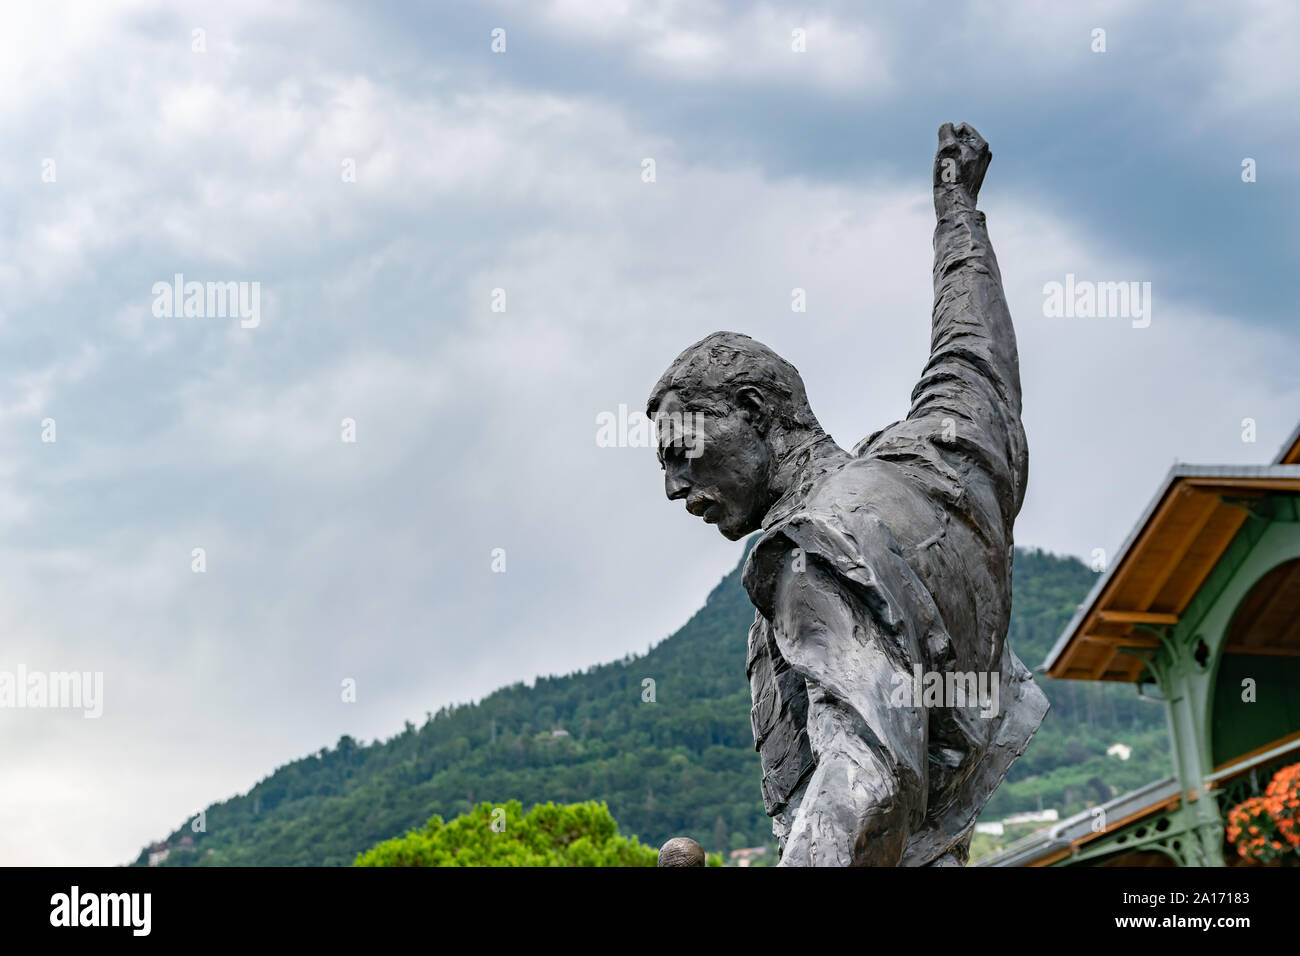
[(961, 160)]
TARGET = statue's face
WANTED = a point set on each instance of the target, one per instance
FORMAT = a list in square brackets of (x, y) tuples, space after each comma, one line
[(719, 465)]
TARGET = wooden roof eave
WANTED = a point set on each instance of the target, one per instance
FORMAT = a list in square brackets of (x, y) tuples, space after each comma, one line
[(1093, 613)]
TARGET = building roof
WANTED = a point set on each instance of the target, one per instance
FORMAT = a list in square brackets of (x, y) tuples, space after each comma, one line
[(1289, 453), (1049, 845), (1180, 537)]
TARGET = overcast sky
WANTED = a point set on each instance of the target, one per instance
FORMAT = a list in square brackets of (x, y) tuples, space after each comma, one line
[(225, 156)]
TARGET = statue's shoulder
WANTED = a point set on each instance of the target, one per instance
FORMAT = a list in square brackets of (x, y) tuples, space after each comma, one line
[(839, 525)]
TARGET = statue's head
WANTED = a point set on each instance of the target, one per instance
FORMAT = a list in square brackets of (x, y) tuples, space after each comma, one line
[(727, 411)]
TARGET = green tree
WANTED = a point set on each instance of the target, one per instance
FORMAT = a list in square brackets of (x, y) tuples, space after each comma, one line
[(720, 840), (579, 834)]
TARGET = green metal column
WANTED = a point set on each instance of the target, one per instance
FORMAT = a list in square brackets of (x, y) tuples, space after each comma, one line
[(1173, 669)]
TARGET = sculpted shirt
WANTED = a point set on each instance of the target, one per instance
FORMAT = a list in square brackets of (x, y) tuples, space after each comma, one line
[(914, 532)]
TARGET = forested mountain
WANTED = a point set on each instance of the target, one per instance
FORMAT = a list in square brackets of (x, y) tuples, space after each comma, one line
[(680, 765)]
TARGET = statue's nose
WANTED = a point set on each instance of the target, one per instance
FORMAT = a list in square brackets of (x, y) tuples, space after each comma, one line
[(675, 487)]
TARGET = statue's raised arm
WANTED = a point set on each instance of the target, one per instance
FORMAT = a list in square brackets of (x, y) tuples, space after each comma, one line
[(968, 397)]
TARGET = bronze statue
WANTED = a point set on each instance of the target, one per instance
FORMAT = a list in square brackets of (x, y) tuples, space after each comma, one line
[(882, 578)]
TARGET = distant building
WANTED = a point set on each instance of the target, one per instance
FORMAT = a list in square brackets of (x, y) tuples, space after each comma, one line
[(1122, 751), (1201, 610), (1033, 816), (157, 853), (559, 732), (993, 829), (746, 856)]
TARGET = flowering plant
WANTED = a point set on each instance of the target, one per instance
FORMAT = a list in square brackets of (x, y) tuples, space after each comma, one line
[(1267, 828)]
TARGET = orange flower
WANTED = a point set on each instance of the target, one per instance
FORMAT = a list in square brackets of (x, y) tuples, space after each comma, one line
[(1268, 826)]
